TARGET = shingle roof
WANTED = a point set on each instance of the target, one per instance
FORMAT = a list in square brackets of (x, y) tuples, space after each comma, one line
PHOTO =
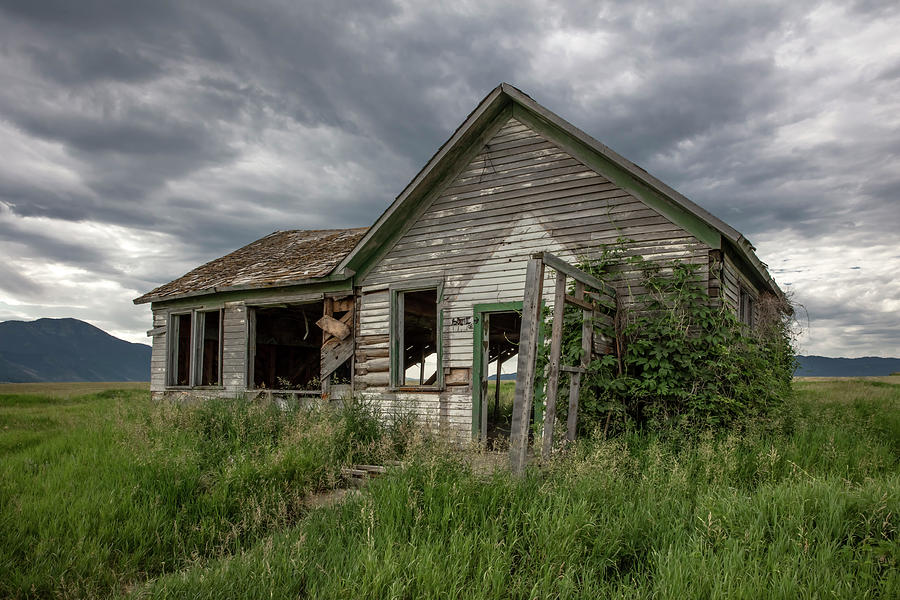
[(279, 259)]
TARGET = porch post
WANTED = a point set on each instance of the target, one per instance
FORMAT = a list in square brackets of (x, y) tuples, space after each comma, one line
[(528, 334)]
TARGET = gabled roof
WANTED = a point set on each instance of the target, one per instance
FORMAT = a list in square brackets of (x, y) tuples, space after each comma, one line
[(298, 257), (505, 101), (279, 259)]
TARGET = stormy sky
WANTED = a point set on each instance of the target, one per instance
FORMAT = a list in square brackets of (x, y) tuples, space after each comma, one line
[(141, 139)]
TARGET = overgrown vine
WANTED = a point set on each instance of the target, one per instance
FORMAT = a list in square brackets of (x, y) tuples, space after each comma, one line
[(682, 358)]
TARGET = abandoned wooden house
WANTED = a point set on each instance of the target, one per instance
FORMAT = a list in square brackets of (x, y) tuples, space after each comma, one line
[(419, 310)]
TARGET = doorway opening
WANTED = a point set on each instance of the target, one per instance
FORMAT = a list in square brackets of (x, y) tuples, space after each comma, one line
[(497, 350)]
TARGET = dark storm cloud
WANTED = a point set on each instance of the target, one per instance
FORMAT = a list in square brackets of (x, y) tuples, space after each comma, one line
[(95, 63), (215, 123)]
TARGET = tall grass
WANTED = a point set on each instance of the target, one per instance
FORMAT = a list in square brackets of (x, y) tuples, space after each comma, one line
[(109, 495), (103, 491), (804, 506)]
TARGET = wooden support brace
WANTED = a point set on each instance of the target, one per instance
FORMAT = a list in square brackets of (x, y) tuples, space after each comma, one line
[(528, 335), (561, 266), (587, 344), (578, 301), (559, 310)]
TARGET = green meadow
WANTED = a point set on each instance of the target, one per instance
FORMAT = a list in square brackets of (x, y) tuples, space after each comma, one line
[(106, 494)]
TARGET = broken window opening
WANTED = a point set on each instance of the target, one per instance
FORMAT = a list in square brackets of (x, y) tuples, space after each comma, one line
[(211, 348), (181, 353), (499, 380), (342, 375), (287, 347), (419, 338)]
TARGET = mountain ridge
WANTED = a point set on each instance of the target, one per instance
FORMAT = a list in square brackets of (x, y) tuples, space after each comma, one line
[(827, 366), (68, 349)]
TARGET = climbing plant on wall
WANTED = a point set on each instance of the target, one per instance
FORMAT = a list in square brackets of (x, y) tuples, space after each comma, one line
[(682, 358)]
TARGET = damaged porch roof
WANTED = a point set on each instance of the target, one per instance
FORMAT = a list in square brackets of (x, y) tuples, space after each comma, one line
[(279, 259)]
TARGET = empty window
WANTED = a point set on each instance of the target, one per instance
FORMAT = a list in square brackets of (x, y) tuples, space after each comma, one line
[(417, 360), (287, 347), (195, 351), (210, 347), (181, 350)]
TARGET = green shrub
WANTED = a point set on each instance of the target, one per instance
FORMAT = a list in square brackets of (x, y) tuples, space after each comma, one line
[(684, 360)]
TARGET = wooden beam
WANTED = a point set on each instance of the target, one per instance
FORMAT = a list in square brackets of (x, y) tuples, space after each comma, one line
[(576, 370), (334, 327), (559, 265), (559, 311), (601, 300), (528, 336), (587, 344), (579, 302), (343, 304)]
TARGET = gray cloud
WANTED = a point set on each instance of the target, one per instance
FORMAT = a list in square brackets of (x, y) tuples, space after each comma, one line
[(198, 127), (17, 284)]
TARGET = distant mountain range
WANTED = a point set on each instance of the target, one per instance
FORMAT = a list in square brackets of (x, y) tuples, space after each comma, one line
[(867, 366), (824, 366), (68, 350), (503, 377), (72, 350)]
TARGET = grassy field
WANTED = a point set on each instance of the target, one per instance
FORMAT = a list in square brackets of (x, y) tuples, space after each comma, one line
[(69, 389), (108, 495)]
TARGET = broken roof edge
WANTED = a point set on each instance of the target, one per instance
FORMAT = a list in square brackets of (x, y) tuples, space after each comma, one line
[(333, 276), (492, 104)]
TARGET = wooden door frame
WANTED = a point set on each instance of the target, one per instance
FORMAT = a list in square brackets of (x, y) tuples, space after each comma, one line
[(477, 334)]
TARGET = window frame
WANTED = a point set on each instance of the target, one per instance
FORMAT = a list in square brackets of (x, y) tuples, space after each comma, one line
[(172, 346), (199, 320), (397, 382), (195, 352)]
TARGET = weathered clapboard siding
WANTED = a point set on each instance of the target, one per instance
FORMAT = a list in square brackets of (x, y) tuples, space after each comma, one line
[(733, 279), (730, 285), (158, 352), (522, 194), (234, 347)]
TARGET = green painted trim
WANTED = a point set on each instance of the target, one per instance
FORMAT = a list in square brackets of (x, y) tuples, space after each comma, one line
[(697, 227), (215, 300)]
